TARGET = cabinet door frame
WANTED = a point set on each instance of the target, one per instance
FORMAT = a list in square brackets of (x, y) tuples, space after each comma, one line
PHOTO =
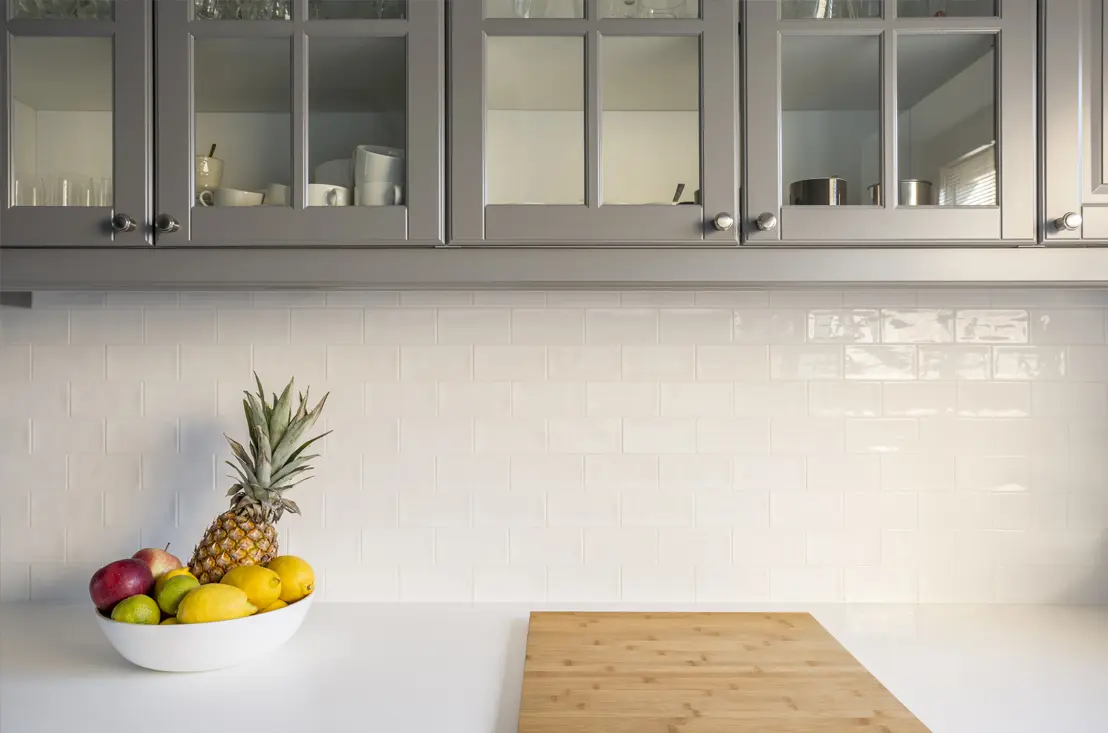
[(1012, 222), (1075, 107), (420, 221), (473, 221), (132, 134)]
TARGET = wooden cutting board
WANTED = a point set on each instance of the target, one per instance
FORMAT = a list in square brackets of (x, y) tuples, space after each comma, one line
[(698, 673)]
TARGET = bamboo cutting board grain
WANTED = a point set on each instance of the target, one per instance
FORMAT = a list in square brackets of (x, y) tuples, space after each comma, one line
[(698, 673)]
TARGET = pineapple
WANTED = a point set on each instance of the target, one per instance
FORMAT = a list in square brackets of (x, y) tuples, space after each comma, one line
[(246, 534)]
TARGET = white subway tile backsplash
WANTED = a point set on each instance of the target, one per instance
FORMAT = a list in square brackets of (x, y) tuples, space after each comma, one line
[(547, 473), (662, 583), (474, 326), (578, 363), (697, 399), (806, 362), (622, 399), (699, 326), (113, 326), (539, 326), (528, 446), (466, 547), (436, 363), (955, 362), (1062, 326), (508, 363), (34, 326), (844, 399), (131, 363), (659, 363), (550, 546), (853, 326), (621, 326), (473, 399), (401, 326), (64, 363)]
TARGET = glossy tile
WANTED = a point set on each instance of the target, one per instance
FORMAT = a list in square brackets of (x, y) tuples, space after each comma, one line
[(1030, 362), (857, 325), (917, 326), (806, 362), (955, 362), (992, 326), (880, 362)]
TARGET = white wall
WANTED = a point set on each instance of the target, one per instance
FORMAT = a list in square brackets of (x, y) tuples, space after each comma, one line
[(572, 446), (822, 143), (23, 135)]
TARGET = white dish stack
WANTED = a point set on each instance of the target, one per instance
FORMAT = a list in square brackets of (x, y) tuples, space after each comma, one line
[(378, 176)]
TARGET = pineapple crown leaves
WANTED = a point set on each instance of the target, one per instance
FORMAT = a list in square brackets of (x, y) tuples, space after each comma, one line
[(275, 460)]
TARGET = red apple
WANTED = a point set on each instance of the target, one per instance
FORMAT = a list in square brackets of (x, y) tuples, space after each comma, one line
[(118, 580), (159, 561)]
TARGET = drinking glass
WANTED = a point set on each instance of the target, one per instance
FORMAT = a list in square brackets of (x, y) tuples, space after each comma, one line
[(29, 191), (660, 8), (68, 192), (103, 194)]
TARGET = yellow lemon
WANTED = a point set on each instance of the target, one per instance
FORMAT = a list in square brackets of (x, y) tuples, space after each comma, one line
[(169, 622), (173, 590), (274, 606), (164, 577), (297, 577), (137, 610), (261, 585), (214, 602)]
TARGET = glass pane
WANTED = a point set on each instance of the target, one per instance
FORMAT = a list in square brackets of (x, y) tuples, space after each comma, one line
[(947, 120), (83, 9), (242, 9), (831, 9), (61, 121), (535, 122), (243, 120), (651, 9), (831, 122), (343, 9), (946, 8), (357, 121), (651, 119), (534, 8)]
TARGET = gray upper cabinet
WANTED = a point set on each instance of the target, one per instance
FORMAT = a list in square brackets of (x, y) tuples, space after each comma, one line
[(75, 97), (299, 122), (594, 121), (1075, 110), (890, 122)]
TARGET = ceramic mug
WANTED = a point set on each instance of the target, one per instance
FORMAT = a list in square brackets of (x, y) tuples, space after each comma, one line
[(322, 194), (276, 195), (230, 197), (378, 193), (209, 173), (378, 163)]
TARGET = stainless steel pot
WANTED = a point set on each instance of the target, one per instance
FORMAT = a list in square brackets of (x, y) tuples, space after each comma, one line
[(818, 192), (913, 192)]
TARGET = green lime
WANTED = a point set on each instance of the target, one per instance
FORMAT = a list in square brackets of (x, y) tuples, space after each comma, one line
[(137, 610), (174, 589)]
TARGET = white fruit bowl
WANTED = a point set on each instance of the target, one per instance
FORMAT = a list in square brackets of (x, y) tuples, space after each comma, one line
[(203, 647)]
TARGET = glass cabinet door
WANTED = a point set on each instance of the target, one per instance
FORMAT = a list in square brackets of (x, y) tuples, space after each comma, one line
[(892, 121), (73, 113), (1075, 110), (597, 121), (300, 122)]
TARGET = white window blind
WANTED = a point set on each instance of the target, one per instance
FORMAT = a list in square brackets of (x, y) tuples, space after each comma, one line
[(970, 180)]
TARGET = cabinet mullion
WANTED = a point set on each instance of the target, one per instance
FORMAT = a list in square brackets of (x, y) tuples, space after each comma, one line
[(594, 124), (890, 121), (300, 121)]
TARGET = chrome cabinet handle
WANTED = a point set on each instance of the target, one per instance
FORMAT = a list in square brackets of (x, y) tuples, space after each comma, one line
[(166, 224), (1071, 222), (766, 221), (123, 223), (723, 221)]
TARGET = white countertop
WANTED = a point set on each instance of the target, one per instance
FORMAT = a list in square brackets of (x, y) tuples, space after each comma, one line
[(457, 669)]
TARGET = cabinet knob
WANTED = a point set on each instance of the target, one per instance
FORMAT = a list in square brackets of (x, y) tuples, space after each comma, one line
[(166, 224), (1071, 222), (724, 221), (123, 223), (765, 221)]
